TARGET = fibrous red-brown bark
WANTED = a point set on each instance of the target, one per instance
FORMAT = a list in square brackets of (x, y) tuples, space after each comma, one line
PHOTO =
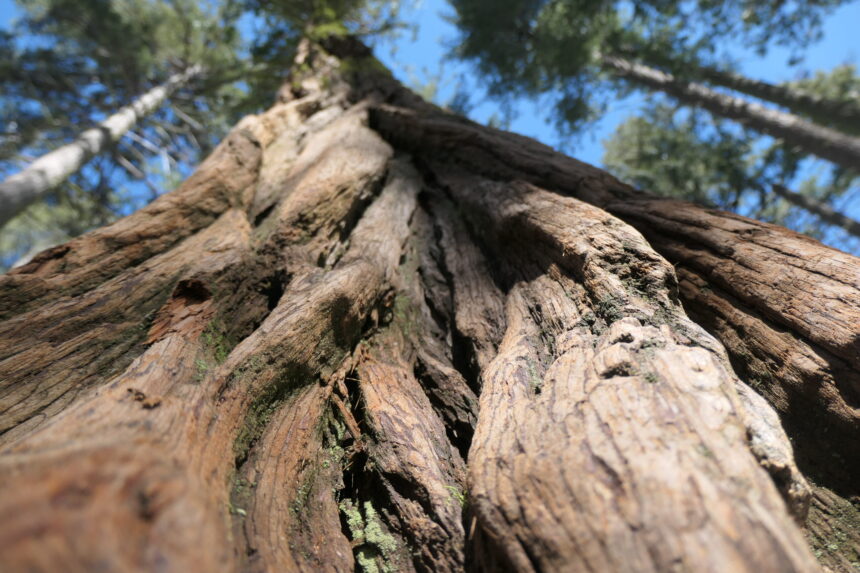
[(371, 335)]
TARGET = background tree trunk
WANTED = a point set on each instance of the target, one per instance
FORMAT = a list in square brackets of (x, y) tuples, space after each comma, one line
[(369, 334), (841, 115), (829, 144), (19, 191), (819, 209)]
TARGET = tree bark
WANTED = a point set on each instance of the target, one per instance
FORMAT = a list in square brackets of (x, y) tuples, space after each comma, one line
[(826, 143), (371, 335), (841, 115), (24, 188), (819, 209)]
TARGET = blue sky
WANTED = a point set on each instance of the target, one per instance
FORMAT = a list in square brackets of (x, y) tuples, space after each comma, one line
[(420, 58)]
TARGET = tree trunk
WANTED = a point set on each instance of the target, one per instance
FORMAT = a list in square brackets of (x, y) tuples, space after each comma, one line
[(21, 190), (368, 334), (841, 115), (824, 142), (819, 209)]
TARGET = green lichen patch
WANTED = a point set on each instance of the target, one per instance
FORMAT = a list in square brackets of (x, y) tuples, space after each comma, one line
[(459, 496), (216, 342), (651, 377), (241, 494), (375, 548), (535, 379), (404, 315), (215, 346), (363, 66)]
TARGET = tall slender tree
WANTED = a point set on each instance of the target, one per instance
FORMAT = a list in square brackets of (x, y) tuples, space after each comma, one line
[(24, 188), (842, 112), (368, 333), (840, 148), (106, 56), (820, 209), (690, 155)]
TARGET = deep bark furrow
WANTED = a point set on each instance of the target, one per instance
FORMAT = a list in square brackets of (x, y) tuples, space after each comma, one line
[(814, 390), (429, 293), (478, 305), (332, 328)]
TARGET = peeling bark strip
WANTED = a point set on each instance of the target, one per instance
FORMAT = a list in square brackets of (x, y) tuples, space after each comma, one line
[(278, 366)]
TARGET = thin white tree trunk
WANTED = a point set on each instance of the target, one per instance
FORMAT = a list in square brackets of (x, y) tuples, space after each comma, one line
[(28, 186), (824, 142)]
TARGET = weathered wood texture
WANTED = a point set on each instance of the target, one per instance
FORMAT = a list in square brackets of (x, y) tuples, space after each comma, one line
[(368, 335), (803, 297)]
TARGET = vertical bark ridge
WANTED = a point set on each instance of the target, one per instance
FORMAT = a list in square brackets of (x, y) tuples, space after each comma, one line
[(118, 496), (114, 321), (791, 329), (814, 389), (534, 414), (294, 485), (230, 405), (337, 172), (283, 497)]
